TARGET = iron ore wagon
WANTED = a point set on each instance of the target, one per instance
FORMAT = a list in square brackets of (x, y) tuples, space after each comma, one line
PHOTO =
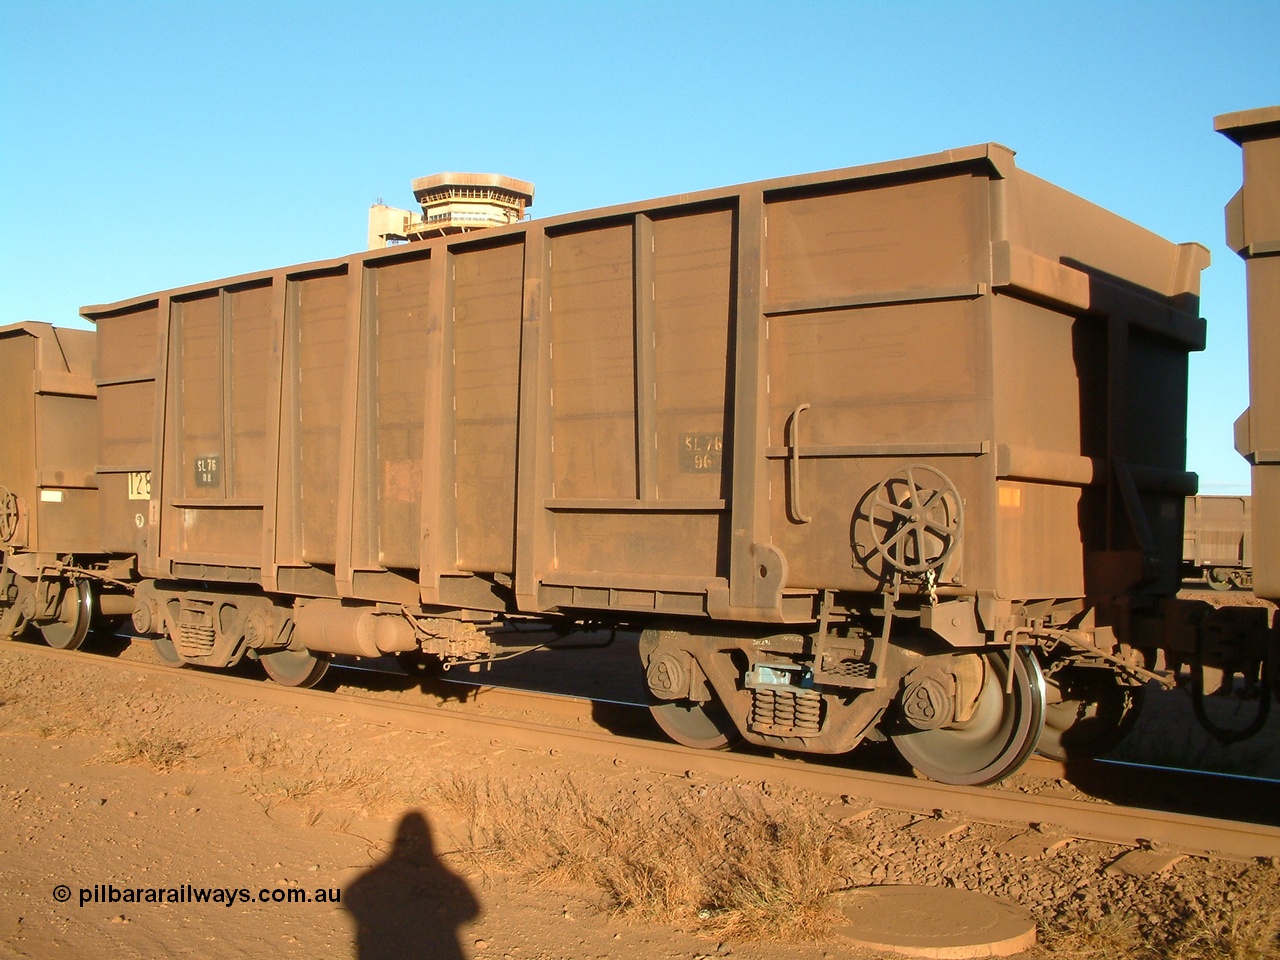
[(890, 451), (1217, 542)]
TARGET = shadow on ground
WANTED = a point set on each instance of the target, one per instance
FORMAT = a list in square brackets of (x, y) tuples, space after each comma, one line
[(410, 906)]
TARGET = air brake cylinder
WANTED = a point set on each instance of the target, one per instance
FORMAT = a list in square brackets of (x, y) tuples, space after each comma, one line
[(327, 626)]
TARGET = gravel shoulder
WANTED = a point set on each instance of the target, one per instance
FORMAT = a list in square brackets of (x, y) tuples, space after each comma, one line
[(443, 846)]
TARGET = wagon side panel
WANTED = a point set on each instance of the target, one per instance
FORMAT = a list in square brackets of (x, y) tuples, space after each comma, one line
[(215, 426), (387, 514), (877, 356), (127, 366), (638, 387), (485, 309), (18, 441), (317, 340)]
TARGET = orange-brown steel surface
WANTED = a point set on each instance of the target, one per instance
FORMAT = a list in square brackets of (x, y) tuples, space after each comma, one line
[(1218, 532), (127, 408), (1253, 230), (680, 406), (49, 440)]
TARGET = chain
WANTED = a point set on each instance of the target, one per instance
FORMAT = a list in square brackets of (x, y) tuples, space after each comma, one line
[(931, 584)]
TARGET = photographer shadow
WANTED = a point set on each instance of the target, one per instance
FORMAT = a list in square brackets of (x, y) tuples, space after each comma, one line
[(410, 906)]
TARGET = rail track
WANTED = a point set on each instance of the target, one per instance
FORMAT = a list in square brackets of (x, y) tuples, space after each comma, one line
[(442, 714)]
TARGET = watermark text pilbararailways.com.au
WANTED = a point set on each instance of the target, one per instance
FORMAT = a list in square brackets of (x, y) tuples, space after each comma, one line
[(109, 893)]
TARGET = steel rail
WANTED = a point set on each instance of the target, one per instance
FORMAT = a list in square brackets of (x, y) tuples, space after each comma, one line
[(571, 707), (1126, 826)]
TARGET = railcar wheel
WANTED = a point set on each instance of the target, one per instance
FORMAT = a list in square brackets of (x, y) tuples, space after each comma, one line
[(75, 610), (167, 652), (1092, 714), (294, 668), (996, 740), (703, 726), (1218, 578)]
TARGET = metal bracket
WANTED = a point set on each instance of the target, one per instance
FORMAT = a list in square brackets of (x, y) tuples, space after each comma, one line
[(1076, 639), (840, 662)]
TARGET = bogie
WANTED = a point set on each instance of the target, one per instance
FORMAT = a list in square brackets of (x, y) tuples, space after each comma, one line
[(947, 712)]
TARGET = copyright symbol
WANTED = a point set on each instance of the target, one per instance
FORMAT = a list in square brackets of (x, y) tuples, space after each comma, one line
[(62, 893)]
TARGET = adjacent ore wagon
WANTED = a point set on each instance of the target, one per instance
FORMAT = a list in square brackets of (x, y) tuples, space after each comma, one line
[(891, 451), (1253, 230), (1217, 542), (49, 494)]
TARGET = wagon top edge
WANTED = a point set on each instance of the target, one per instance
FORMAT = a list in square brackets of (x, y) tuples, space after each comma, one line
[(1248, 124), (998, 158), (991, 160), (31, 328)]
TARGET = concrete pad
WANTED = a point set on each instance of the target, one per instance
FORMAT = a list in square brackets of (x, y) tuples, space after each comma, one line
[(856, 813), (936, 828), (1032, 846), (1143, 863), (935, 922)]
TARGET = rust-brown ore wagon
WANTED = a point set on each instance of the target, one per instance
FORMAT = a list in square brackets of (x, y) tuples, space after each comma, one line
[(1217, 542), (49, 501), (1253, 231), (896, 449)]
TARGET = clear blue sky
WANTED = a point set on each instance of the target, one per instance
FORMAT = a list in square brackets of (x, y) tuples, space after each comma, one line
[(145, 145)]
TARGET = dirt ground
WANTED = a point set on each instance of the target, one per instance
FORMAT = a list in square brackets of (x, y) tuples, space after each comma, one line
[(146, 816)]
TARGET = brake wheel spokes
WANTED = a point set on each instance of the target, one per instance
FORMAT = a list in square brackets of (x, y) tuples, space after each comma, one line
[(916, 517)]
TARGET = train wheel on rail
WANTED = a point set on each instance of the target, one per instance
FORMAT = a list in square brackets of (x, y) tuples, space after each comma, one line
[(294, 668), (999, 736), (75, 610), (1090, 713), (1218, 577), (167, 652), (704, 726)]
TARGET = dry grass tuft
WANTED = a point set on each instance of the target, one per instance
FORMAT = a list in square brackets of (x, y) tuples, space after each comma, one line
[(56, 729), (740, 865), (723, 863), (1250, 930), (1112, 938), (292, 770), (1246, 928), (159, 752)]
